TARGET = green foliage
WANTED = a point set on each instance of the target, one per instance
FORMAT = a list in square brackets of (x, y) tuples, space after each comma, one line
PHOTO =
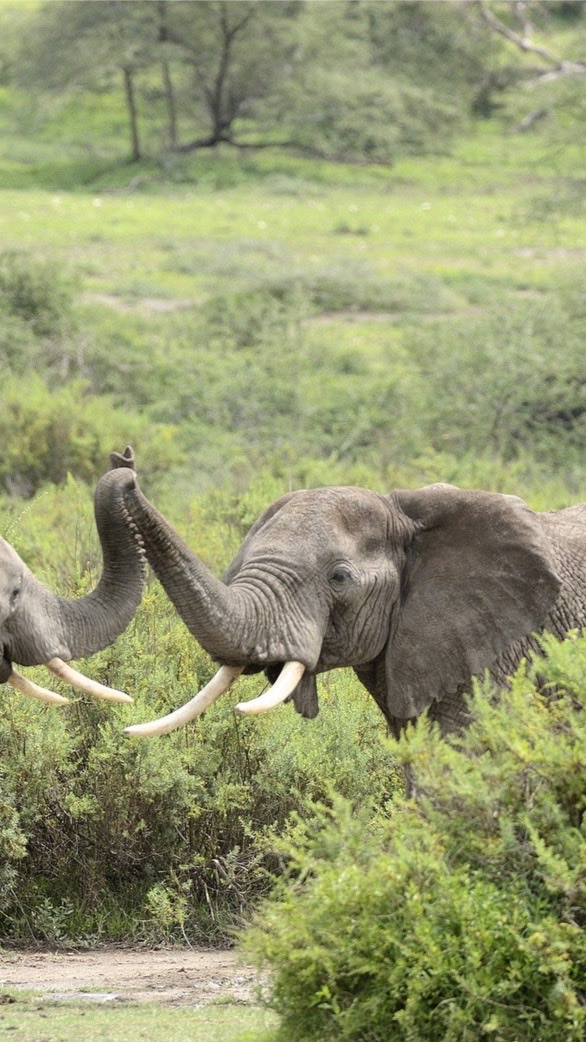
[(366, 82), (12, 842), (34, 292), (457, 915), (370, 117), (49, 433), (187, 824), (520, 391)]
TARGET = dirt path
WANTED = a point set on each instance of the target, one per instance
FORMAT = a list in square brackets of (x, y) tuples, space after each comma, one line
[(175, 976)]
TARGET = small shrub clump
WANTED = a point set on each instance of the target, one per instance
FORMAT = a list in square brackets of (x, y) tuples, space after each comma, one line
[(458, 915), (36, 292)]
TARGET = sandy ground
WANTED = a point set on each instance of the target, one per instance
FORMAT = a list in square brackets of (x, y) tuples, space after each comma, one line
[(187, 977)]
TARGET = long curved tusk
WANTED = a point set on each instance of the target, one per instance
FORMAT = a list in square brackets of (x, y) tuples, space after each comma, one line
[(82, 683), (208, 694), (284, 686), (28, 687)]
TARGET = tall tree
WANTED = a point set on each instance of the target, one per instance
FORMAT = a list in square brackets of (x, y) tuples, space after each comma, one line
[(75, 44), (373, 80), (344, 79), (168, 87), (235, 51), (554, 74)]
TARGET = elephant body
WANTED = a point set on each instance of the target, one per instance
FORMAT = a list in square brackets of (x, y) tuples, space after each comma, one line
[(418, 591)]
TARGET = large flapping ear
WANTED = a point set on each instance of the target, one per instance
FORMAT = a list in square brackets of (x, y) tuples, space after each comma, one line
[(479, 576)]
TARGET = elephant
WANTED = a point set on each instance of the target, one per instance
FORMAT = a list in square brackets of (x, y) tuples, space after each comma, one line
[(419, 591), (38, 627)]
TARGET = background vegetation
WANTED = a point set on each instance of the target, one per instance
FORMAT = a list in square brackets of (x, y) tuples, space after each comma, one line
[(254, 319)]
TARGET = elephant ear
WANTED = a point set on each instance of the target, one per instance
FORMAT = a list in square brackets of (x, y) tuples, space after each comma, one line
[(479, 576)]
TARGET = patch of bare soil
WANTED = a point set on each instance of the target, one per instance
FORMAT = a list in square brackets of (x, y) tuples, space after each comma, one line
[(149, 305), (184, 977)]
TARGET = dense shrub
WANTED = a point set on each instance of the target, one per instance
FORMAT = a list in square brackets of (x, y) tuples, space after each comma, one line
[(168, 838), (459, 915), (47, 434), (36, 291), (512, 381)]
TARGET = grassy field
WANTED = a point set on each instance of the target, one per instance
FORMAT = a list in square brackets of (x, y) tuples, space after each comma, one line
[(321, 294), (498, 217), (30, 1018)]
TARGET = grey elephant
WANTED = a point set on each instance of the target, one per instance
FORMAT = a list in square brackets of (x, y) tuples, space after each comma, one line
[(38, 627), (418, 591)]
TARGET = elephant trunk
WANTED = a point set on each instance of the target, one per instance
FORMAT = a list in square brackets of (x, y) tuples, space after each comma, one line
[(96, 620), (58, 628), (212, 611)]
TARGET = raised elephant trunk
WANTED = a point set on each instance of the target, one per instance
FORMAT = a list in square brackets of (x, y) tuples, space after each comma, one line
[(213, 612), (233, 621), (37, 627), (93, 622)]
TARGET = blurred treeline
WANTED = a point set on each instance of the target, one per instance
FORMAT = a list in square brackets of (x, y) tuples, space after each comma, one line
[(343, 79)]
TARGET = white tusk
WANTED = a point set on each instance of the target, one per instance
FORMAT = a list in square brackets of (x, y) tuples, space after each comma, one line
[(284, 686), (208, 694), (27, 687), (82, 683)]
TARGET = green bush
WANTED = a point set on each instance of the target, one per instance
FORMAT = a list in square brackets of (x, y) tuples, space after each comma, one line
[(47, 434), (35, 291), (12, 842), (511, 381), (459, 915), (165, 839)]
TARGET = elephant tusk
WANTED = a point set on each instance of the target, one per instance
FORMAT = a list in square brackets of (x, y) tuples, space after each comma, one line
[(284, 686), (85, 684), (192, 709), (28, 687)]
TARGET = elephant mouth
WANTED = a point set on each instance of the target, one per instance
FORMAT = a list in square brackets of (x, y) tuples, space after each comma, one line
[(5, 668), (61, 669), (304, 696)]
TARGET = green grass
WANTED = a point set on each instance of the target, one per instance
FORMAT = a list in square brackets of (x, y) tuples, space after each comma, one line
[(30, 1018), (465, 220), (374, 259)]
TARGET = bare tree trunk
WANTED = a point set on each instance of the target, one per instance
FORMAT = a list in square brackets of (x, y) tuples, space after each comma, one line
[(166, 74), (554, 65), (221, 104), (132, 113), (171, 104)]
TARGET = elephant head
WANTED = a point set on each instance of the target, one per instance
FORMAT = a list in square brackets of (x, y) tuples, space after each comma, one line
[(418, 591), (39, 627)]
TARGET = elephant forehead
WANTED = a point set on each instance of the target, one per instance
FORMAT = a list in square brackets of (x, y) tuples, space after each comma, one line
[(10, 563), (321, 515), (12, 570)]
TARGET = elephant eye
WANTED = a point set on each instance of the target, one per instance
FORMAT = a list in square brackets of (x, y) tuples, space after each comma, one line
[(14, 596), (340, 575)]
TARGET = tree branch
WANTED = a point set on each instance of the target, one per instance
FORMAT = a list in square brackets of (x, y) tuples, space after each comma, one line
[(557, 66)]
